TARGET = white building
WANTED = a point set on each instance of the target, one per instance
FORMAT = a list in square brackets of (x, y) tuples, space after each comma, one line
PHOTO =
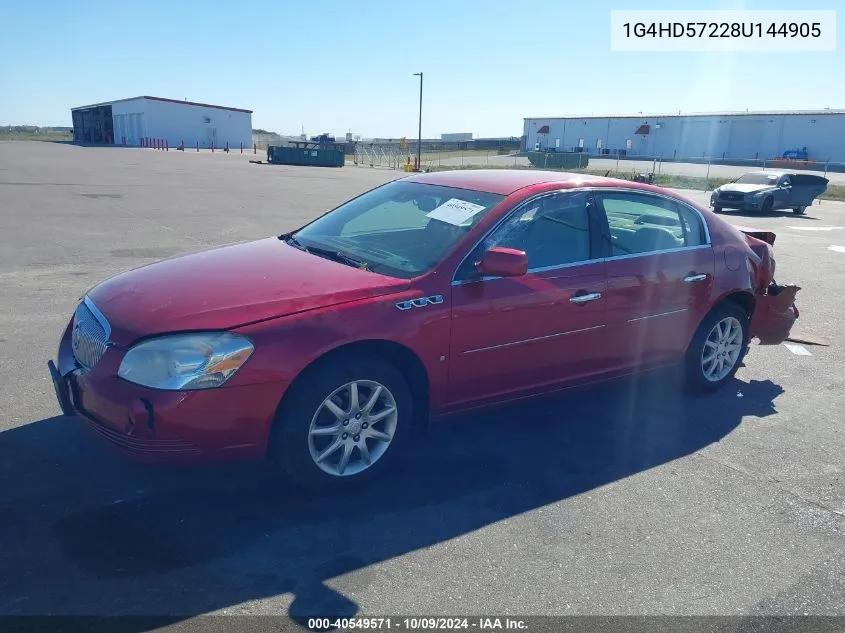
[(133, 121), (729, 136)]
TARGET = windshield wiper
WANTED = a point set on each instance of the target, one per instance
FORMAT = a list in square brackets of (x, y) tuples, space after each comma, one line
[(328, 253), (339, 257), (288, 238)]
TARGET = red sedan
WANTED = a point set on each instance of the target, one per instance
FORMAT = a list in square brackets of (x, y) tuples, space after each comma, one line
[(435, 293)]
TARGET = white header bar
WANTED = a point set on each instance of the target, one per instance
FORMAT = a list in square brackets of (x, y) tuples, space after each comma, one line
[(726, 31)]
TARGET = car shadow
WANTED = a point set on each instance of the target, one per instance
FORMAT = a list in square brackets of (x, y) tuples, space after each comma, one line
[(773, 214), (128, 539)]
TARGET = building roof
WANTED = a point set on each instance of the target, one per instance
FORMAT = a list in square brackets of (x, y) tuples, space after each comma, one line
[(664, 115), (182, 102)]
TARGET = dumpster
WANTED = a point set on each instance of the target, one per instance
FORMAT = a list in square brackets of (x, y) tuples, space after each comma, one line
[(306, 153), (558, 160)]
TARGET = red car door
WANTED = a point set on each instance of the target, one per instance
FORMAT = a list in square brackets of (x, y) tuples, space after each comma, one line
[(512, 334), (660, 269)]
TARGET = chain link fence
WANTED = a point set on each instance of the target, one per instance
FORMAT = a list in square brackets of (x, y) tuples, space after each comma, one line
[(436, 155), (706, 172), (686, 172)]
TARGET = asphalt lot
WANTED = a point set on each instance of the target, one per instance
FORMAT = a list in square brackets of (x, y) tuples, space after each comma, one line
[(630, 498)]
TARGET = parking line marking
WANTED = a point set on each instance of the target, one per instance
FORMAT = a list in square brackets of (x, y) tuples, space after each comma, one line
[(798, 350), (815, 228), (836, 249)]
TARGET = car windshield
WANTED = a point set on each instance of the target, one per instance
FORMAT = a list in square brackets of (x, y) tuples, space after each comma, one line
[(401, 229), (758, 179)]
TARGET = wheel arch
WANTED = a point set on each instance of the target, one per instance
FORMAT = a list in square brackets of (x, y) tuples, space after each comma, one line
[(402, 357), (744, 299)]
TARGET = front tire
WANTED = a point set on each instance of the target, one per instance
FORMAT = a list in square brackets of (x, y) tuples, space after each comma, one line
[(768, 204), (344, 423), (717, 349)]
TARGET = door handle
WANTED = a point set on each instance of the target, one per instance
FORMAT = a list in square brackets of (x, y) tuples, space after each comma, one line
[(693, 278), (584, 298)]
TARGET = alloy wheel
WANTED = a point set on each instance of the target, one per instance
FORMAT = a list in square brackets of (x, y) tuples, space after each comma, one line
[(722, 349), (353, 428)]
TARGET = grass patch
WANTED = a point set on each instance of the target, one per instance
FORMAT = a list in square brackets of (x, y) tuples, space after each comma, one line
[(42, 136), (672, 181)]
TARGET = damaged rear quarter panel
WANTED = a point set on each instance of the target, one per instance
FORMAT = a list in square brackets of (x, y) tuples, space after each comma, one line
[(774, 310), (775, 314)]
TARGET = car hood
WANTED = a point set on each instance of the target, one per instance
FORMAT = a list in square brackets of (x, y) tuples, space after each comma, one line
[(744, 187), (230, 286)]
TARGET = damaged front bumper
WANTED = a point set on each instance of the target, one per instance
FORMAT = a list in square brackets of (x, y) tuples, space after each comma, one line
[(774, 314)]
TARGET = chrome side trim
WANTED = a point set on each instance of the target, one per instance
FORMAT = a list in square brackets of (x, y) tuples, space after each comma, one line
[(543, 269), (652, 316), (530, 340), (104, 322), (539, 269), (660, 252), (707, 238)]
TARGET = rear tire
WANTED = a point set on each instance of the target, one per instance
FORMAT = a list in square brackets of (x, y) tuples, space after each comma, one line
[(799, 210), (717, 349), (717, 209), (311, 437)]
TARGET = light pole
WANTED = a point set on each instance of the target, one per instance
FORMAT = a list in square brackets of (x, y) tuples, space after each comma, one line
[(419, 129)]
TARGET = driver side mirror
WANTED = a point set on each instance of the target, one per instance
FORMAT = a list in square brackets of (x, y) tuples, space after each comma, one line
[(503, 262)]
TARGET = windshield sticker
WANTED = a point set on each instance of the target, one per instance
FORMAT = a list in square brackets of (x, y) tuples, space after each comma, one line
[(455, 211)]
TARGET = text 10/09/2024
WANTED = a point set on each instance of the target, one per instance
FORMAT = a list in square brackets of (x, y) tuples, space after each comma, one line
[(417, 624)]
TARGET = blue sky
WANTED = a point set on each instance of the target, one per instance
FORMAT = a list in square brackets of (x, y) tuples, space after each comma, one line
[(336, 66)]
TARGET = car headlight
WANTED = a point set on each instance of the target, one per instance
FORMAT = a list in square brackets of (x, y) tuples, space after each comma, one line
[(178, 362)]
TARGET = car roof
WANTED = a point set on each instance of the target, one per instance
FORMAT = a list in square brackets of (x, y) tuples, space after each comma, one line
[(504, 181), (767, 172)]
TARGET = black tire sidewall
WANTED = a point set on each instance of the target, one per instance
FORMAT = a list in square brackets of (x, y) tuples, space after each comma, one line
[(695, 379), (289, 437), (768, 206)]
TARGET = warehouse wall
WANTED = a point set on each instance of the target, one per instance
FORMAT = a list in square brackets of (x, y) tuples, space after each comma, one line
[(176, 122), (129, 121), (728, 136)]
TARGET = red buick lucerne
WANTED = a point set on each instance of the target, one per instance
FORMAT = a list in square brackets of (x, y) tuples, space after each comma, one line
[(322, 348)]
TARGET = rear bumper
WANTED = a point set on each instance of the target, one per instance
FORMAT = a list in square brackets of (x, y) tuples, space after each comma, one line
[(774, 314)]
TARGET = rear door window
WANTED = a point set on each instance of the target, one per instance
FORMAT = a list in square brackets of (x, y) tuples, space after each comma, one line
[(641, 223)]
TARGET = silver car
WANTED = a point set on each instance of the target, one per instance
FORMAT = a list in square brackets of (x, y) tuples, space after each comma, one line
[(767, 191)]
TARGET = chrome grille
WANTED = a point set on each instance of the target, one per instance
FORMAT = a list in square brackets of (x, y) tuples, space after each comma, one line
[(90, 335)]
